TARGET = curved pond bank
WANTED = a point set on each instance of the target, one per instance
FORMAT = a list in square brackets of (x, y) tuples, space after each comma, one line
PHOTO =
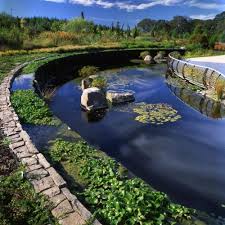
[(176, 158)]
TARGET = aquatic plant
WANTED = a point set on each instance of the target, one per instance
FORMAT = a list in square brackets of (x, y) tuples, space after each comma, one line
[(115, 198), (144, 54), (32, 109), (88, 70), (156, 113), (99, 82)]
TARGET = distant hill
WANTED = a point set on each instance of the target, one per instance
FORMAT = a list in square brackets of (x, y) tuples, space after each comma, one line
[(184, 27)]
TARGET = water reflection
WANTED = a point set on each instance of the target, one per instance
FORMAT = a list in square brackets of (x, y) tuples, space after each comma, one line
[(94, 116), (24, 82), (203, 104)]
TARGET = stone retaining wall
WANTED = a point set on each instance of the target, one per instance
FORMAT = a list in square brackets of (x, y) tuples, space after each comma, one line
[(59, 71), (201, 76), (45, 179)]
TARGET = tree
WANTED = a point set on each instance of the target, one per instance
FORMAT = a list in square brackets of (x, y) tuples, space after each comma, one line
[(135, 32), (82, 15), (79, 25)]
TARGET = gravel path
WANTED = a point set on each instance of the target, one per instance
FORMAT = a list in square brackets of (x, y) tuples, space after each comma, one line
[(215, 62)]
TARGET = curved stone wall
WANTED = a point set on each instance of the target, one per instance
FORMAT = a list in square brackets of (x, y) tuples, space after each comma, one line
[(64, 69), (201, 76), (44, 178)]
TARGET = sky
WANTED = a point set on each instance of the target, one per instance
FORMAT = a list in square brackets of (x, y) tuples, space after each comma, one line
[(127, 12)]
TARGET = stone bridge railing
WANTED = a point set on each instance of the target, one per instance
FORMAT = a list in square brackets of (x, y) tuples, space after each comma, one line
[(201, 76)]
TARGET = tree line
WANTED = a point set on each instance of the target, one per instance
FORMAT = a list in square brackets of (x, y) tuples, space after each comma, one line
[(199, 32), (16, 32), (36, 32)]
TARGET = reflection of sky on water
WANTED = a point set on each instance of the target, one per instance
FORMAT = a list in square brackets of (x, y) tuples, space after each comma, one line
[(24, 82), (185, 159)]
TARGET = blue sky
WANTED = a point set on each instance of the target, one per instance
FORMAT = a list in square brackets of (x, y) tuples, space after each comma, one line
[(106, 11)]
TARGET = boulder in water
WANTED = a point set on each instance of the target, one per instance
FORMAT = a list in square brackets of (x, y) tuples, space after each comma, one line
[(121, 96), (148, 59), (93, 99)]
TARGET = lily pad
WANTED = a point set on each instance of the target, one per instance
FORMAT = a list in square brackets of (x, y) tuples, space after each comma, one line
[(156, 113)]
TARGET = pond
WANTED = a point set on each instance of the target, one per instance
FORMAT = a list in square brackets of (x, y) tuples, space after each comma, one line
[(184, 158)]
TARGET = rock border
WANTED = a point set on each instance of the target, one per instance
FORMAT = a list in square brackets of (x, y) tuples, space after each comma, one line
[(44, 178)]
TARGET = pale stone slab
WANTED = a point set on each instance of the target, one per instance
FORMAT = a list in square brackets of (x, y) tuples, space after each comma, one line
[(62, 209), (43, 184), (33, 167), (57, 199), (29, 161), (17, 144), (51, 192), (42, 160), (37, 174), (72, 219), (59, 181), (68, 194)]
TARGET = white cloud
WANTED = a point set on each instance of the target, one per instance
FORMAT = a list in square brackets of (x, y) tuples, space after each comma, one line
[(206, 5), (203, 17), (57, 1), (129, 6)]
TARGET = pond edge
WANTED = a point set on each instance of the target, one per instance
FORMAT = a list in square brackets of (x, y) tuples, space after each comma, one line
[(44, 178)]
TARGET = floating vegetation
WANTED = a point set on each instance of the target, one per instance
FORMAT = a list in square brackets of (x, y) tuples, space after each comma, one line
[(156, 113)]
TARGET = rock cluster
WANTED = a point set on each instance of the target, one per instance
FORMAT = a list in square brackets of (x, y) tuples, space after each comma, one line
[(93, 98), (45, 179)]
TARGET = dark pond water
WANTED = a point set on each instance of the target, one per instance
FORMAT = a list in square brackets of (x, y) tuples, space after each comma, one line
[(185, 159)]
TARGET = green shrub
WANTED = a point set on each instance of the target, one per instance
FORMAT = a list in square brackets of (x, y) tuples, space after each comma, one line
[(117, 199), (88, 70), (99, 82), (144, 54), (176, 55), (31, 109), (20, 205), (79, 26)]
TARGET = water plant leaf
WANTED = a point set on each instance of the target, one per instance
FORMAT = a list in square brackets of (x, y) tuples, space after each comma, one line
[(158, 114)]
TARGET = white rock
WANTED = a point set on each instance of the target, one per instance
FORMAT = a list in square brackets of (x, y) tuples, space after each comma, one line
[(121, 96), (93, 99)]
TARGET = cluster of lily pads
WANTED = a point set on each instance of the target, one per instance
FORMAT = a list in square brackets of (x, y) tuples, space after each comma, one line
[(158, 114)]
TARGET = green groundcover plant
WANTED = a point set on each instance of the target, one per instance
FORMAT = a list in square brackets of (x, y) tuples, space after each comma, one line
[(20, 205), (115, 198), (31, 109)]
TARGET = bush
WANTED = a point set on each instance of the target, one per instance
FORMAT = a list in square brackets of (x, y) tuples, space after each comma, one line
[(31, 109), (12, 38), (220, 89), (88, 71), (176, 55), (99, 82), (20, 205), (144, 54), (79, 26)]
